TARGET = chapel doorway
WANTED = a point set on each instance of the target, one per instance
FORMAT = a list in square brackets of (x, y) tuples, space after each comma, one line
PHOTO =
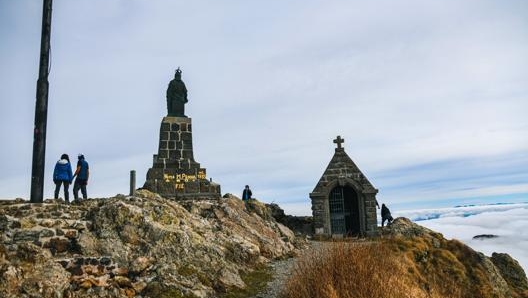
[(344, 211)]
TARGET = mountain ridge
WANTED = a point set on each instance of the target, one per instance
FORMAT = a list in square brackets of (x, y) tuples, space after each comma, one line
[(149, 246)]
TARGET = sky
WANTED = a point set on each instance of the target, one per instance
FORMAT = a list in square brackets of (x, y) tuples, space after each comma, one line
[(508, 222), (430, 96)]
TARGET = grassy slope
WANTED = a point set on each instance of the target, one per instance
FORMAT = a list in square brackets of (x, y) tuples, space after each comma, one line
[(406, 262)]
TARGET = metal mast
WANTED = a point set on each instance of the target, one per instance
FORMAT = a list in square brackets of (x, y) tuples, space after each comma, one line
[(41, 109)]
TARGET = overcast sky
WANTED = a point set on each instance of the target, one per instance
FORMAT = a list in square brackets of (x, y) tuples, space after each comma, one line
[(431, 97)]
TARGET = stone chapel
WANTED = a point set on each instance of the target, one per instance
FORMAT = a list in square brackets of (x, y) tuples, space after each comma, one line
[(344, 200)]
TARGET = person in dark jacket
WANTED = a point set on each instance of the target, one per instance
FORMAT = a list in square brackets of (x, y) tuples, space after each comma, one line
[(246, 194), (62, 175), (82, 172), (385, 215)]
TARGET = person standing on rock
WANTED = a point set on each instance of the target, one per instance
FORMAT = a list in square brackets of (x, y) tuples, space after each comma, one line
[(385, 215), (82, 172), (62, 175), (246, 195)]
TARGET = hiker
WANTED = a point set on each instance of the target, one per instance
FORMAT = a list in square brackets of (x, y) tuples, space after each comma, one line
[(62, 175), (246, 196), (82, 172), (385, 215)]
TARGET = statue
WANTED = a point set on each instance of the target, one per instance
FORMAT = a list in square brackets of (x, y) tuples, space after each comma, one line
[(176, 96)]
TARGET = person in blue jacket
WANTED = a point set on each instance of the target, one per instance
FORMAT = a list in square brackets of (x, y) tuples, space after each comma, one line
[(82, 172), (62, 175), (246, 196)]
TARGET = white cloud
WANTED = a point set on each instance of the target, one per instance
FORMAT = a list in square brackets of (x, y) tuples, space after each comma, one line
[(509, 222)]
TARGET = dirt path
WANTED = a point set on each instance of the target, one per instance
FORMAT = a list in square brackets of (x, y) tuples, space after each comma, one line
[(281, 271)]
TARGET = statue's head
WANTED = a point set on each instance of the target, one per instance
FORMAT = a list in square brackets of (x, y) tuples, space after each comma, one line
[(177, 75)]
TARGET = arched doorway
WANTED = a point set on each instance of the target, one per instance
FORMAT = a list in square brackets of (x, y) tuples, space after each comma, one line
[(344, 211)]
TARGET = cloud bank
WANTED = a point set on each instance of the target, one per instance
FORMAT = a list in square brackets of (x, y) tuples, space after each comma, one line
[(507, 221)]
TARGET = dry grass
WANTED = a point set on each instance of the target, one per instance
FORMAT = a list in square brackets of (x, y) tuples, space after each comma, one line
[(361, 270), (395, 267), (345, 270)]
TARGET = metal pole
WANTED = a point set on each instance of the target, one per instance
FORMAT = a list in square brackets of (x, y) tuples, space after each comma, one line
[(132, 183), (41, 109)]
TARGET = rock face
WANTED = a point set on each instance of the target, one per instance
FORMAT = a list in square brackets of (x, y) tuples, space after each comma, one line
[(144, 246), (511, 271), (448, 268), (300, 225)]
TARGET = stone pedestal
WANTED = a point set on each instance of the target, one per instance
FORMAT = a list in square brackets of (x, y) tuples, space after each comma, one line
[(174, 172)]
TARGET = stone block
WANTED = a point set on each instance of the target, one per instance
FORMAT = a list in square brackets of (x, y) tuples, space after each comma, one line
[(154, 174), (57, 245), (47, 233), (163, 154), (26, 236), (163, 145), (105, 261), (158, 165), (183, 127), (174, 136), (192, 187), (165, 126), (76, 270), (371, 210), (172, 145), (194, 166), (172, 164), (164, 136), (185, 164), (187, 154), (187, 146), (174, 154), (71, 234), (186, 136), (175, 127)]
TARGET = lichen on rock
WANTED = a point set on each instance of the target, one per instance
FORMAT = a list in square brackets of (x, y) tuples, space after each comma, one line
[(135, 245)]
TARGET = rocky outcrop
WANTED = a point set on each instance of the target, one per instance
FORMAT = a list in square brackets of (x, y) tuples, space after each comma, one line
[(511, 270), (449, 268), (140, 246), (300, 225)]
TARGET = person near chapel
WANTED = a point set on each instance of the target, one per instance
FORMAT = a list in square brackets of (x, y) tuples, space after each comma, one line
[(82, 173), (62, 175), (385, 215)]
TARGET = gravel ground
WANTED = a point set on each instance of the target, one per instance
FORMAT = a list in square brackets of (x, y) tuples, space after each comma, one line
[(281, 271)]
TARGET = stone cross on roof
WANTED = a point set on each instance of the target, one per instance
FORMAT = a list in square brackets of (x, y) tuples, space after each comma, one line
[(339, 141)]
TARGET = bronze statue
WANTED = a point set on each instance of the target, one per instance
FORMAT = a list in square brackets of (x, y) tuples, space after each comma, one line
[(176, 96)]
